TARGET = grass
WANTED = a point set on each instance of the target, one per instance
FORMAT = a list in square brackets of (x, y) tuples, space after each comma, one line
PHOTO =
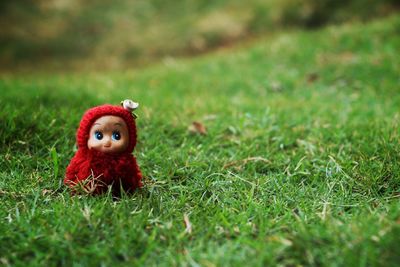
[(104, 34), (300, 164)]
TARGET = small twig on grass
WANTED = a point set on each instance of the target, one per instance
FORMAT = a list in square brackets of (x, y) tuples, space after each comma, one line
[(245, 161)]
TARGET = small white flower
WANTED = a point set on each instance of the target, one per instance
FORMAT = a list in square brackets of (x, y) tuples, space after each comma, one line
[(129, 105)]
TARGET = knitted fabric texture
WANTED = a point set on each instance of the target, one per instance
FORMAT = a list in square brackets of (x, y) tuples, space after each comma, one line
[(96, 171)]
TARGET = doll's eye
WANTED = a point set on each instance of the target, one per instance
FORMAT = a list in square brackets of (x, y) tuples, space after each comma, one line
[(116, 136), (98, 135)]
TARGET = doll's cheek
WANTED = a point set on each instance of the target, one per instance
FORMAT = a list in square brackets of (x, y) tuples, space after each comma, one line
[(93, 144), (124, 144), (120, 146)]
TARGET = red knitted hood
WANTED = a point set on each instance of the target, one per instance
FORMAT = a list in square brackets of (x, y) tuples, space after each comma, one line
[(93, 114)]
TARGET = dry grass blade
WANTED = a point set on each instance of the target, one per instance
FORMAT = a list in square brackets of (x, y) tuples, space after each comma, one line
[(188, 225), (242, 162), (88, 186)]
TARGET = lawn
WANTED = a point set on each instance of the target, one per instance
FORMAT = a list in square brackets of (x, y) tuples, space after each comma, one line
[(300, 164), (103, 34)]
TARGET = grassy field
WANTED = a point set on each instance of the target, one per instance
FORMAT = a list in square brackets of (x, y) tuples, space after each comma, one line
[(300, 164), (111, 35)]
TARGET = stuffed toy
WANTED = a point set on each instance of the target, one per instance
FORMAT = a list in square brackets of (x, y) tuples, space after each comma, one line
[(105, 138)]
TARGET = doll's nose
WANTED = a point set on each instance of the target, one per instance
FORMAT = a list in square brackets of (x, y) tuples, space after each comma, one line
[(107, 142)]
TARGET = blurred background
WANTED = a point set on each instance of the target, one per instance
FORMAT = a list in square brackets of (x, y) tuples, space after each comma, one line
[(103, 35)]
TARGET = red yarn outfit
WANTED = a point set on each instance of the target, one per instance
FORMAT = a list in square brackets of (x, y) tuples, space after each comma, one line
[(100, 170)]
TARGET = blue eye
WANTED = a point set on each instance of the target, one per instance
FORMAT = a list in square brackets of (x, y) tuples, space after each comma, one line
[(116, 136), (98, 135)]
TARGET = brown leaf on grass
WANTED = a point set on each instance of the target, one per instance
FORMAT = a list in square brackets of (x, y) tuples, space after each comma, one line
[(312, 77), (197, 128), (188, 225), (242, 162)]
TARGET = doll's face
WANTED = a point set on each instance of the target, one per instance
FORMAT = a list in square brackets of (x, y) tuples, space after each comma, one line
[(109, 134)]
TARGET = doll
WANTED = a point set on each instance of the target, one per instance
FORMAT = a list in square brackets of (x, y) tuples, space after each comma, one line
[(106, 138)]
